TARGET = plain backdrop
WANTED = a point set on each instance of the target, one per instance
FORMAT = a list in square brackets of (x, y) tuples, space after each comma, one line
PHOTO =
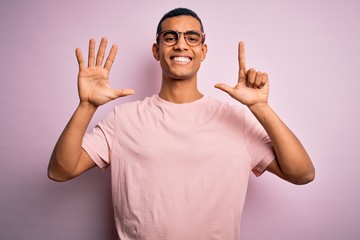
[(309, 48)]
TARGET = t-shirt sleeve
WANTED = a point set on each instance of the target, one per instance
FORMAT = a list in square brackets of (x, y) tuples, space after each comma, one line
[(97, 143), (258, 143)]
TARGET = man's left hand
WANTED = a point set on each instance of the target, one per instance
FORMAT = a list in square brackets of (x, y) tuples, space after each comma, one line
[(252, 86)]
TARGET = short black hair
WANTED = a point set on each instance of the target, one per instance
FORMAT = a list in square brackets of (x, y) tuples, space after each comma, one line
[(179, 12)]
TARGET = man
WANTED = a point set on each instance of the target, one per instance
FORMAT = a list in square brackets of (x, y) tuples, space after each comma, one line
[(180, 161)]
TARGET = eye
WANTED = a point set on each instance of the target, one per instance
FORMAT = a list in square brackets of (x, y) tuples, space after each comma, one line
[(169, 37), (193, 37)]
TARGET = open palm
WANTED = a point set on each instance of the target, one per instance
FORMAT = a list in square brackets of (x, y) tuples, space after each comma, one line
[(93, 80)]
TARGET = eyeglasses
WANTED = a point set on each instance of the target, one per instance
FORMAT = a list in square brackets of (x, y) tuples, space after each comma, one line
[(170, 37)]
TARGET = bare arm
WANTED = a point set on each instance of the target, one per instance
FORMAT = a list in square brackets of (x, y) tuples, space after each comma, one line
[(292, 162), (68, 159)]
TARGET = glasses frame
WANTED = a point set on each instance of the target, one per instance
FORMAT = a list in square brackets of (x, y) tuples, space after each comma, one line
[(178, 37)]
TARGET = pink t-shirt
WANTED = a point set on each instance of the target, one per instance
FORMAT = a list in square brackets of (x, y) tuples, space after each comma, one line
[(179, 171)]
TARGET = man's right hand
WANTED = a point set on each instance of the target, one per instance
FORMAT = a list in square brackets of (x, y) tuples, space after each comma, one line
[(69, 159), (93, 80)]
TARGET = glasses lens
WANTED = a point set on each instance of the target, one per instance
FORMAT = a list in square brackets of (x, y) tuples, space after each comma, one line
[(193, 38), (169, 38)]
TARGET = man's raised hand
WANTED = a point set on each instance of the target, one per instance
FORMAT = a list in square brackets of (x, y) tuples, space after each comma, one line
[(252, 86), (93, 80)]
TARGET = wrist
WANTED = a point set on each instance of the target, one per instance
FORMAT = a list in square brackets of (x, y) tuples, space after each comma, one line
[(258, 107), (262, 111), (87, 106)]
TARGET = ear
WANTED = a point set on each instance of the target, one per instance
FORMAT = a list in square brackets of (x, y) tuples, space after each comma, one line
[(204, 50), (155, 51)]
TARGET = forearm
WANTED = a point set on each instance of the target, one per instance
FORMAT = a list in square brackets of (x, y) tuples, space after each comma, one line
[(67, 151), (293, 160)]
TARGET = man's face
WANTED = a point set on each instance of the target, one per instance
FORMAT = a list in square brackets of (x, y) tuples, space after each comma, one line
[(181, 61)]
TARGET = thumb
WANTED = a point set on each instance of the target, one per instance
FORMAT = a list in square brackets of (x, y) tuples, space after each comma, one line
[(224, 87), (116, 93)]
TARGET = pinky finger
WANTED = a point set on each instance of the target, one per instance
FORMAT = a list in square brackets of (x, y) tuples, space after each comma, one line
[(264, 80), (80, 59)]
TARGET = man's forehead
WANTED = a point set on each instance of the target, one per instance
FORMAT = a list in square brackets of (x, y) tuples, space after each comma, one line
[(181, 23)]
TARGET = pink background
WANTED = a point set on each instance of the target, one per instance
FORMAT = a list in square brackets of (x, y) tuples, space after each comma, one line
[(310, 49)]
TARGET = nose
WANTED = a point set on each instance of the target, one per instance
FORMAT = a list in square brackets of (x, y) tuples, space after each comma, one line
[(181, 43)]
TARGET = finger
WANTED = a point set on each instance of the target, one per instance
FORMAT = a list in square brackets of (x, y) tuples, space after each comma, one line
[(101, 52), (250, 77), (111, 58), (116, 93), (258, 79), (80, 59), (242, 62), (226, 88), (91, 52), (264, 81)]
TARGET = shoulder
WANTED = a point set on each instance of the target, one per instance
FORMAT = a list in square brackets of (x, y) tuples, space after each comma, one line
[(135, 111), (224, 107), (135, 105)]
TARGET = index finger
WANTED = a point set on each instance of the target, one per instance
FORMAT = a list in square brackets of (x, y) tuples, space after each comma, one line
[(242, 62), (110, 59)]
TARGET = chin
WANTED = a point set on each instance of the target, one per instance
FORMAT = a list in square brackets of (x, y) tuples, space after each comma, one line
[(182, 77)]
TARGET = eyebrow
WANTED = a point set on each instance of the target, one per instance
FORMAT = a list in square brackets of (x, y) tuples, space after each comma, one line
[(193, 30)]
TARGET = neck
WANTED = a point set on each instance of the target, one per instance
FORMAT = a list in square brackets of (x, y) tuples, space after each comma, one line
[(179, 91)]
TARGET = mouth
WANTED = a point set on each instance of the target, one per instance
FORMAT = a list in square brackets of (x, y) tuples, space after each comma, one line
[(181, 59)]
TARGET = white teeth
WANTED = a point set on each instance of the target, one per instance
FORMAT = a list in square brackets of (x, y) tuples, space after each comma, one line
[(182, 59)]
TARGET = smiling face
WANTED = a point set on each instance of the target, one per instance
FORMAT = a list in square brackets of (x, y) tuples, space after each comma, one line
[(181, 61)]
